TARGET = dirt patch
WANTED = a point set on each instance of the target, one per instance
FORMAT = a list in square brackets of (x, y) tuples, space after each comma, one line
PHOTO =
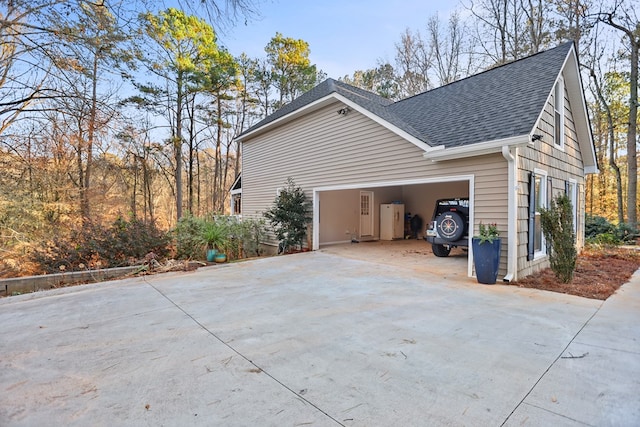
[(599, 273)]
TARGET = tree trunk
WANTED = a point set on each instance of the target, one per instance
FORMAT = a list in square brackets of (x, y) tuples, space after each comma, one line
[(177, 146), (632, 162), (91, 132), (134, 194), (218, 163), (611, 138), (192, 151)]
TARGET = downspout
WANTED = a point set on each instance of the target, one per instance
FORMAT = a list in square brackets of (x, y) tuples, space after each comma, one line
[(512, 214), (315, 240)]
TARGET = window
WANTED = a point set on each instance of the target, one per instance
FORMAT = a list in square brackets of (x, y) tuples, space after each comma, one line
[(538, 199), (364, 203), (237, 204), (558, 107)]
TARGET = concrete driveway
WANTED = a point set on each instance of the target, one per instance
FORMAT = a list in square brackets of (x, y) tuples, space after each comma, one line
[(317, 339)]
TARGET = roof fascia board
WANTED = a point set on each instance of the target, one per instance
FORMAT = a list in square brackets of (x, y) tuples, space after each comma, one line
[(550, 94), (338, 97), (575, 83), (325, 100), (576, 96), (482, 148)]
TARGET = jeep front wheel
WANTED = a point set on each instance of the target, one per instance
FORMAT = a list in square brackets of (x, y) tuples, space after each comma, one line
[(440, 250)]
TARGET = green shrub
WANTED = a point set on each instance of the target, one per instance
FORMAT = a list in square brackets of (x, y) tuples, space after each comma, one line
[(238, 239), (600, 231), (557, 226), (188, 237), (136, 238), (254, 233), (289, 216), (604, 239), (595, 225)]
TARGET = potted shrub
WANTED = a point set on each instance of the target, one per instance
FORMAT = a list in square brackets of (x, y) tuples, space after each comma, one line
[(486, 253), (213, 236)]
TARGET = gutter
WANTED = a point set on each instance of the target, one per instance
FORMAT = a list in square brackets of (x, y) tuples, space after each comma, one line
[(512, 214), (490, 147)]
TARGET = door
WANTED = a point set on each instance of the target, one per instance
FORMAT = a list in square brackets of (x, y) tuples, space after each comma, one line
[(366, 214)]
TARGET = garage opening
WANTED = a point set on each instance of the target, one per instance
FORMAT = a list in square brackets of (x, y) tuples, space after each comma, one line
[(361, 213)]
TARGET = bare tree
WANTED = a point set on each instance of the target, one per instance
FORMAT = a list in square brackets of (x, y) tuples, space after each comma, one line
[(572, 24), (413, 64), (451, 49), (24, 64), (537, 24), (511, 29), (623, 18), (596, 80)]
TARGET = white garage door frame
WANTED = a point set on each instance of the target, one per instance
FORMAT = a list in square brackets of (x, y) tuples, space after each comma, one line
[(366, 185)]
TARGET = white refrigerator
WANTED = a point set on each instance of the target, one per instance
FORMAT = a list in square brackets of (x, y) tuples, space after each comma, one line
[(391, 221)]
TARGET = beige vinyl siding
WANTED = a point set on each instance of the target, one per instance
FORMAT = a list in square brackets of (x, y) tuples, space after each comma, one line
[(324, 149), (490, 195), (560, 165)]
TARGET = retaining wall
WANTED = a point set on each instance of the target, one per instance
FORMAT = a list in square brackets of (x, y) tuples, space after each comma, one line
[(20, 285)]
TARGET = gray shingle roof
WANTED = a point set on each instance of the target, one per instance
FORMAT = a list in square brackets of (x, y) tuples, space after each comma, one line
[(498, 103)]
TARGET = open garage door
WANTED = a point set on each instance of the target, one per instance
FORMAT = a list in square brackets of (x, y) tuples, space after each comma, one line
[(344, 213)]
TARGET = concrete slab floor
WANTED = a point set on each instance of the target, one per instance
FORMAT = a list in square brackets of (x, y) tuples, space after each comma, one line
[(317, 339)]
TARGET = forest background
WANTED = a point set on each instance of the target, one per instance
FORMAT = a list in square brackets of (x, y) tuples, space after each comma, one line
[(114, 111)]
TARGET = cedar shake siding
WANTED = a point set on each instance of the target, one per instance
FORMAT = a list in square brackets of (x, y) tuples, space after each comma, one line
[(561, 165)]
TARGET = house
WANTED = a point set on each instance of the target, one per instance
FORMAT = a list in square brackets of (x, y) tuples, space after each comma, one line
[(509, 138)]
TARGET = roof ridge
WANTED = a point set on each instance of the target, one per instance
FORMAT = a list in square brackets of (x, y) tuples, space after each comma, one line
[(506, 64)]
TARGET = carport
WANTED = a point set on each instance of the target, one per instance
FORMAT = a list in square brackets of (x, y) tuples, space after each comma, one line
[(344, 213)]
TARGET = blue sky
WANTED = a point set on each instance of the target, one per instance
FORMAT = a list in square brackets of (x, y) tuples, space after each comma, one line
[(343, 36)]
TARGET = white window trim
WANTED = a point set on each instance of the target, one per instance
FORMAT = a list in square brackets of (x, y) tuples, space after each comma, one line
[(558, 107), (543, 193), (573, 197)]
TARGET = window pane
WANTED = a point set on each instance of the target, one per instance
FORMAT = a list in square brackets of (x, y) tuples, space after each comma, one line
[(541, 202), (538, 234), (558, 129), (558, 100), (364, 204), (540, 194), (573, 196)]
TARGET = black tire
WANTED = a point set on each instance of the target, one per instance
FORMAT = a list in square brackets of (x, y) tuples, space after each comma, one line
[(450, 226), (440, 250)]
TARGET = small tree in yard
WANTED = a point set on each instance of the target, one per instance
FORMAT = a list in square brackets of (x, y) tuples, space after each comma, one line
[(289, 216), (557, 226)]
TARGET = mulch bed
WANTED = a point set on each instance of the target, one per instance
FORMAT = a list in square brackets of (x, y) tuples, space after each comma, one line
[(599, 273)]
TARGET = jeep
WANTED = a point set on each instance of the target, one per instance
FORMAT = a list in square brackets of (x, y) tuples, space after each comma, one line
[(449, 226)]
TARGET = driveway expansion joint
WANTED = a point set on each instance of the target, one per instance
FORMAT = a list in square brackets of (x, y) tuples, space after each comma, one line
[(552, 364), (233, 349)]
